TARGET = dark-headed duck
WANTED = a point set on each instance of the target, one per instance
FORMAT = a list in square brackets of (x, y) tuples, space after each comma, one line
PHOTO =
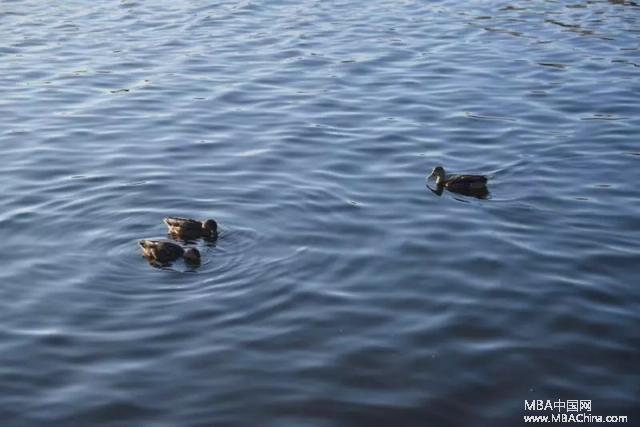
[(189, 229), (468, 185), (163, 252)]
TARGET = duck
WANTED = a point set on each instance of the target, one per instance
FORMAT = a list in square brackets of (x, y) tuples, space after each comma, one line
[(189, 229), (468, 185), (163, 252)]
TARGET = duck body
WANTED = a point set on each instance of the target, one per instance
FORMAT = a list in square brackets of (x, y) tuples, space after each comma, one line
[(188, 229), (464, 182), (164, 252), (468, 185)]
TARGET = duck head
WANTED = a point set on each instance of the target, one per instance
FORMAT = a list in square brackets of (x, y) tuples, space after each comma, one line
[(209, 228), (192, 256), (438, 173)]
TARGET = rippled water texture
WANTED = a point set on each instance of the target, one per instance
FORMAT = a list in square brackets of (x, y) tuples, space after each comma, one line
[(341, 292)]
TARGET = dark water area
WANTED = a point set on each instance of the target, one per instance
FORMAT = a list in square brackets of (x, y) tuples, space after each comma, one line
[(342, 291)]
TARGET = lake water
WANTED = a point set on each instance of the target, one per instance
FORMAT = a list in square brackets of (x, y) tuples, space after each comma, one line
[(342, 291)]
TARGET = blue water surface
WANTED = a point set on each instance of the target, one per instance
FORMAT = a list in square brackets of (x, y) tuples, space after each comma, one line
[(342, 291)]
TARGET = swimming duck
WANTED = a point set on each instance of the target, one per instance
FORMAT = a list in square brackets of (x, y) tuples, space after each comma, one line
[(163, 252), (468, 185), (189, 229)]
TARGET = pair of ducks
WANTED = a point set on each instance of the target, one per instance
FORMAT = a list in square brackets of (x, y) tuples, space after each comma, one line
[(162, 252)]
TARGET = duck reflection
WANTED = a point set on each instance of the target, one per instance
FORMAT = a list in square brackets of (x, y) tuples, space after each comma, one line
[(624, 2)]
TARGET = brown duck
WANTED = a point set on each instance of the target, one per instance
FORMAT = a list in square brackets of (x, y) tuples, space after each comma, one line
[(468, 185), (189, 229), (163, 252)]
